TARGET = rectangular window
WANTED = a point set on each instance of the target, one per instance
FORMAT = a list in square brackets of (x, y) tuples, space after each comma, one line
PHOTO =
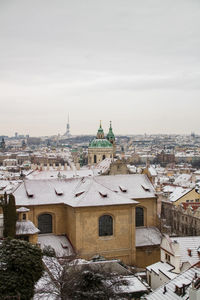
[(167, 257)]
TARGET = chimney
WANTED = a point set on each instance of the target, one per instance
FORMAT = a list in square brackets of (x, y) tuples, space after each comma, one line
[(194, 292), (165, 290)]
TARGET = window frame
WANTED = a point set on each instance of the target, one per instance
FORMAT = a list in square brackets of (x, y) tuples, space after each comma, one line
[(101, 230)]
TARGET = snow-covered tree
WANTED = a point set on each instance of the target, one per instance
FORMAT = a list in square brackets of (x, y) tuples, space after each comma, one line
[(20, 268)]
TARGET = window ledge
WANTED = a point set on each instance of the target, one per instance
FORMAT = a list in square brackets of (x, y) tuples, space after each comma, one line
[(104, 238)]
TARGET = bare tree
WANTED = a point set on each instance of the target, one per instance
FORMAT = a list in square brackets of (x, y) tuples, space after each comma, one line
[(72, 280)]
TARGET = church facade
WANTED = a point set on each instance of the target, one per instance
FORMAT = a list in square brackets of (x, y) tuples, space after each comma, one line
[(102, 147), (98, 215)]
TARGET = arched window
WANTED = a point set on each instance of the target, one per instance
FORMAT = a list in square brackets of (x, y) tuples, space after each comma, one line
[(95, 159), (139, 216), (105, 225), (45, 223)]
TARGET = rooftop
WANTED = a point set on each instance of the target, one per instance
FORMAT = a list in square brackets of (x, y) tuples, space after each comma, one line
[(89, 191), (167, 291), (147, 236)]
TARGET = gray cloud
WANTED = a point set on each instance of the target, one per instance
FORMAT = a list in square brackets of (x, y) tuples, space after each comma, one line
[(60, 56)]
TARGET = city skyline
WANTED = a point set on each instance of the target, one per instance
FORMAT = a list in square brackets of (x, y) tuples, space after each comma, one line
[(136, 64)]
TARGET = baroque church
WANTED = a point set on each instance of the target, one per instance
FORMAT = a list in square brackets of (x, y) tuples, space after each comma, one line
[(114, 216), (102, 147)]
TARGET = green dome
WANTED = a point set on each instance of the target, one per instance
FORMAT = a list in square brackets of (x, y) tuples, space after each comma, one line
[(100, 143)]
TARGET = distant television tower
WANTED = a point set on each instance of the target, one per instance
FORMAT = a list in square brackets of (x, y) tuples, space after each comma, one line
[(67, 134)]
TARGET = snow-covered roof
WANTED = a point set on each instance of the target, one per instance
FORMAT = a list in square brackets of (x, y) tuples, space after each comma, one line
[(80, 192), (134, 285), (162, 267), (53, 174), (26, 228), (178, 193), (89, 191), (152, 171), (59, 243), (102, 167), (184, 180), (23, 209), (133, 184), (186, 278), (169, 189), (186, 243), (8, 186), (147, 236)]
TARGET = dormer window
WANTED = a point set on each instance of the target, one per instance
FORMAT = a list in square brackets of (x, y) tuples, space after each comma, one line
[(123, 189), (29, 193), (58, 192), (103, 194), (146, 188), (79, 193)]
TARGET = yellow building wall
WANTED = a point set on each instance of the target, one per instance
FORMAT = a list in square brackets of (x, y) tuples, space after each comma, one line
[(70, 228), (150, 211), (58, 212), (192, 195), (119, 246), (146, 256), (33, 238), (82, 228)]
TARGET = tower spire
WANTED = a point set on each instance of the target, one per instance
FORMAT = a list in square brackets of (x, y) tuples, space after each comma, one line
[(68, 127), (100, 133)]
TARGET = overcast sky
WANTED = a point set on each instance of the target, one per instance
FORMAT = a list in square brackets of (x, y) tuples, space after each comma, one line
[(135, 62)]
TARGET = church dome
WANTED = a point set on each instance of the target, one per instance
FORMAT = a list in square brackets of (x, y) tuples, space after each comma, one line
[(100, 143)]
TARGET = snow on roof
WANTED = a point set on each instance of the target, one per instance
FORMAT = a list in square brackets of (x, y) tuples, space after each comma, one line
[(183, 180), (152, 171), (8, 186), (169, 189), (184, 278), (103, 166), (163, 267), (132, 183), (147, 236), (26, 228), (44, 193), (53, 174), (59, 243), (178, 193), (188, 242), (134, 285), (23, 209)]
